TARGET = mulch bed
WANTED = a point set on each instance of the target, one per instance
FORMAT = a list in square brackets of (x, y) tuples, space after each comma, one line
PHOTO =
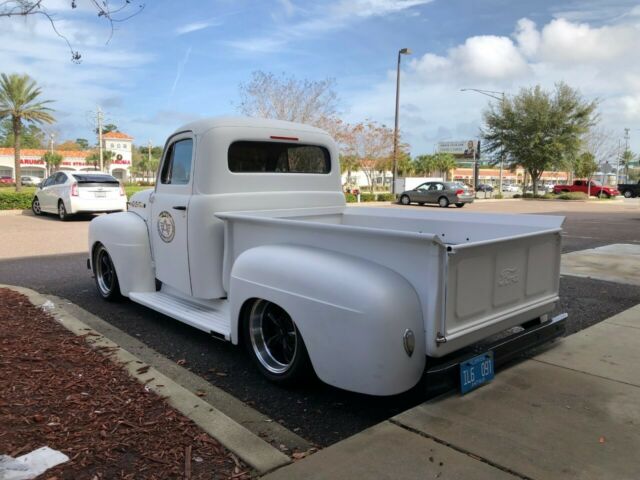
[(57, 391)]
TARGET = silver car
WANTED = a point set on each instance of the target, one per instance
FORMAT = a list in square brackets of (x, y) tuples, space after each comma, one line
[(442, 193)]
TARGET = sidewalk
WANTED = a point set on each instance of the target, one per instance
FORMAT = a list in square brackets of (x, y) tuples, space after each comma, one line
[(572, 412)]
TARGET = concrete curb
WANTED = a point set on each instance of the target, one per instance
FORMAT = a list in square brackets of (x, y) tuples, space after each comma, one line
[(256, 452), (15, 212)]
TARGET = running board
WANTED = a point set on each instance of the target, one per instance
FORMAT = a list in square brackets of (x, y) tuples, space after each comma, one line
[(213, 321)]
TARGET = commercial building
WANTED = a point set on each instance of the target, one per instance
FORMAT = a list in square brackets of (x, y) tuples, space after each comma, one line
[(32, 164)]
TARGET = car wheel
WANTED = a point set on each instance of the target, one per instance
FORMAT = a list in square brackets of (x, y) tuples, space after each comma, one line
[(62, 211), (105, 274), (275, 344), (35, 206), (405, 200), (627, 194), (443, 202), (459, 205)]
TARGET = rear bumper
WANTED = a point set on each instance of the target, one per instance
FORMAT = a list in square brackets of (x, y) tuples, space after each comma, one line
[(443, 374), (98, 205), (466, 199)]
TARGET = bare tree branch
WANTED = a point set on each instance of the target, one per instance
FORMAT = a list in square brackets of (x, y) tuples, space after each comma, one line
[(123, 11)]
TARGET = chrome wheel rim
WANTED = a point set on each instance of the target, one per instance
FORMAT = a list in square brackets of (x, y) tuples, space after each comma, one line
[(61, 210), (105, 272), (405, 200), (274, 338), (36, 206), (627, 194)]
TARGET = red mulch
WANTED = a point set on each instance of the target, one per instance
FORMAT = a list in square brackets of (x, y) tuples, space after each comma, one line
[(57, 391)]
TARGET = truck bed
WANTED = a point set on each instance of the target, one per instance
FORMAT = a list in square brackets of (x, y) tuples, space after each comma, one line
[(475, 274)]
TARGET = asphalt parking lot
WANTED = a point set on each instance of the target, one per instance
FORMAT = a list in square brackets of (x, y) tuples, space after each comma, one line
[(315, 411)]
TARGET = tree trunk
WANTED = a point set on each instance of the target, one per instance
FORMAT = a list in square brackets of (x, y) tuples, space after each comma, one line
[(17, 130), (535, 176)]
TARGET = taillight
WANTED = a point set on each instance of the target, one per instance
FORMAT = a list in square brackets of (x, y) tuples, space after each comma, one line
[(74, 190), (460, 192), (121, 190)]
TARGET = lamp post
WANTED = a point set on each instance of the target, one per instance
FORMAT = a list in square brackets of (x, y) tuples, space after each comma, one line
[(402, 51), (497, 96)]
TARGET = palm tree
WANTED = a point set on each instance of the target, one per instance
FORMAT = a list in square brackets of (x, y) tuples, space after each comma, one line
[(445, 162), (18, 101)]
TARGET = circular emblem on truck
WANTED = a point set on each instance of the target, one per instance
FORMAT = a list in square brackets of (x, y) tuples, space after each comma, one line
[(166, 226)]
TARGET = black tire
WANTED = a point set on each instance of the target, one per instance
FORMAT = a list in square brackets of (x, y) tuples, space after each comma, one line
[(627, 194), (443, 202), (459, 205), (420, 203), (105, 275), (35, 206), (62, 211), (275, 344), (405, 200)]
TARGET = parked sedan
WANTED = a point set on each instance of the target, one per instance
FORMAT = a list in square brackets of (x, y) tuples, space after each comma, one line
[(6, 179), (68, 193), (510, 187), (442, 193), (484, 187), (30, 181)]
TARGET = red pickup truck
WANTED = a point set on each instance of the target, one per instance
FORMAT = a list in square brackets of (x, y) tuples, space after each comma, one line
[(597, 189)]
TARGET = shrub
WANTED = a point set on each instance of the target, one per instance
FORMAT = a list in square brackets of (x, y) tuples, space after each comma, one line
[(572, 196), (517, 195), (367, 197), (15, 201), (385, 197), (350, 198)]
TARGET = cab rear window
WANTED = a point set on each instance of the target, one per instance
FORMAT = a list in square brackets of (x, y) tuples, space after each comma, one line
[(278, 157)]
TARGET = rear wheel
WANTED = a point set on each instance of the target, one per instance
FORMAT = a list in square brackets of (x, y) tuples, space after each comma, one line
[(35, 206), (405, 200), (459, 205), (275, 344), (443, 202), (105, 274), (62, 211)]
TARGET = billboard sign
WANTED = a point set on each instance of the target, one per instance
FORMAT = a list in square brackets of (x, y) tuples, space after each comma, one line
[(459, 148)]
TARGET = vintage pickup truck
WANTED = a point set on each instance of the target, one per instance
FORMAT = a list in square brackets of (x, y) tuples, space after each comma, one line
[(247, 237)]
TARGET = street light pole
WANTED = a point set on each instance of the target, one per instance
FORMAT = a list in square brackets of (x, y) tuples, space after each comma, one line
[(402, 51), (497, 96)]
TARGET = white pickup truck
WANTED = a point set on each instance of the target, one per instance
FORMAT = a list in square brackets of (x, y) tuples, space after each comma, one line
[(247, 237)]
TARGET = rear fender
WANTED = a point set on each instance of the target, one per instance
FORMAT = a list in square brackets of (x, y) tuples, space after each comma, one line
[(126, 238), (351, 313)]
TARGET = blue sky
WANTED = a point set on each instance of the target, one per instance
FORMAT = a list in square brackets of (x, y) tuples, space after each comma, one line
[(182, 60)]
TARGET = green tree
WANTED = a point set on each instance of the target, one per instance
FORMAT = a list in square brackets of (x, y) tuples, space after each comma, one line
[(444, 163), (424, 165), (584, 166), (109, 127), (627, 160), (83, 142), (538, 129), (32, 135), (94, 158), (19, 102), (52, 160)]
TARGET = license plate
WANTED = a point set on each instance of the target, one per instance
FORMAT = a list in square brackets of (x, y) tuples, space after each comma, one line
[(476, 371), (100, 194)]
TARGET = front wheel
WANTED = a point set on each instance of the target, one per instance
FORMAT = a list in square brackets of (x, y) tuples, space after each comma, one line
[(35, 206), (627, 194), (275, 344), (105, 274), (443, 202), (459, 205), (405, 200)]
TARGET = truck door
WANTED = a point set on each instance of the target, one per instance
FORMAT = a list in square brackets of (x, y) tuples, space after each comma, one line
[(169, 205)]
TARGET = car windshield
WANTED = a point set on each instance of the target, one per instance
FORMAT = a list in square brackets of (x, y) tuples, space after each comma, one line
[(94, 178)]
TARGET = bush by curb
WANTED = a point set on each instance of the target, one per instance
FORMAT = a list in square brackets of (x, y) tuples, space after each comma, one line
[(15, 201)]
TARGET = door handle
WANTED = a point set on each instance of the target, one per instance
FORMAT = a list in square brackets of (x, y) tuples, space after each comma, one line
[(179, 207)]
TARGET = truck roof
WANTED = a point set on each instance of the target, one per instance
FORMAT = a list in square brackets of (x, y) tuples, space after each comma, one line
[(199, 127)]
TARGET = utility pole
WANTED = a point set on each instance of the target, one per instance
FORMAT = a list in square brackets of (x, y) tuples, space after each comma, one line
[(99, 119), (51, 142), (626, 161), (402, 51), (149, 161)]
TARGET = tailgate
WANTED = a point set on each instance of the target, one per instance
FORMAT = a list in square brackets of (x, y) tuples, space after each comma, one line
[(494, 285)]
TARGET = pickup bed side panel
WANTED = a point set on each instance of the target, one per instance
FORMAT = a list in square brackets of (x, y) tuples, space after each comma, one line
[(126, 238), (352, 313)]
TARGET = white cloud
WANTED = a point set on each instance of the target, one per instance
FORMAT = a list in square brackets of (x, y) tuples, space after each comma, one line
[(194, 27), (602, 61)]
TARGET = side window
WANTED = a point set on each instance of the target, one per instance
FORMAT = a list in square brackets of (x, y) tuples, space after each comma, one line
[(439, 186), (60, 178), (423, 187), (176, 169), (47, 182)]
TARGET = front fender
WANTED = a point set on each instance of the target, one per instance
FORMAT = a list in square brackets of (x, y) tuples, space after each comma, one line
[(126, 238), (352, 313)]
